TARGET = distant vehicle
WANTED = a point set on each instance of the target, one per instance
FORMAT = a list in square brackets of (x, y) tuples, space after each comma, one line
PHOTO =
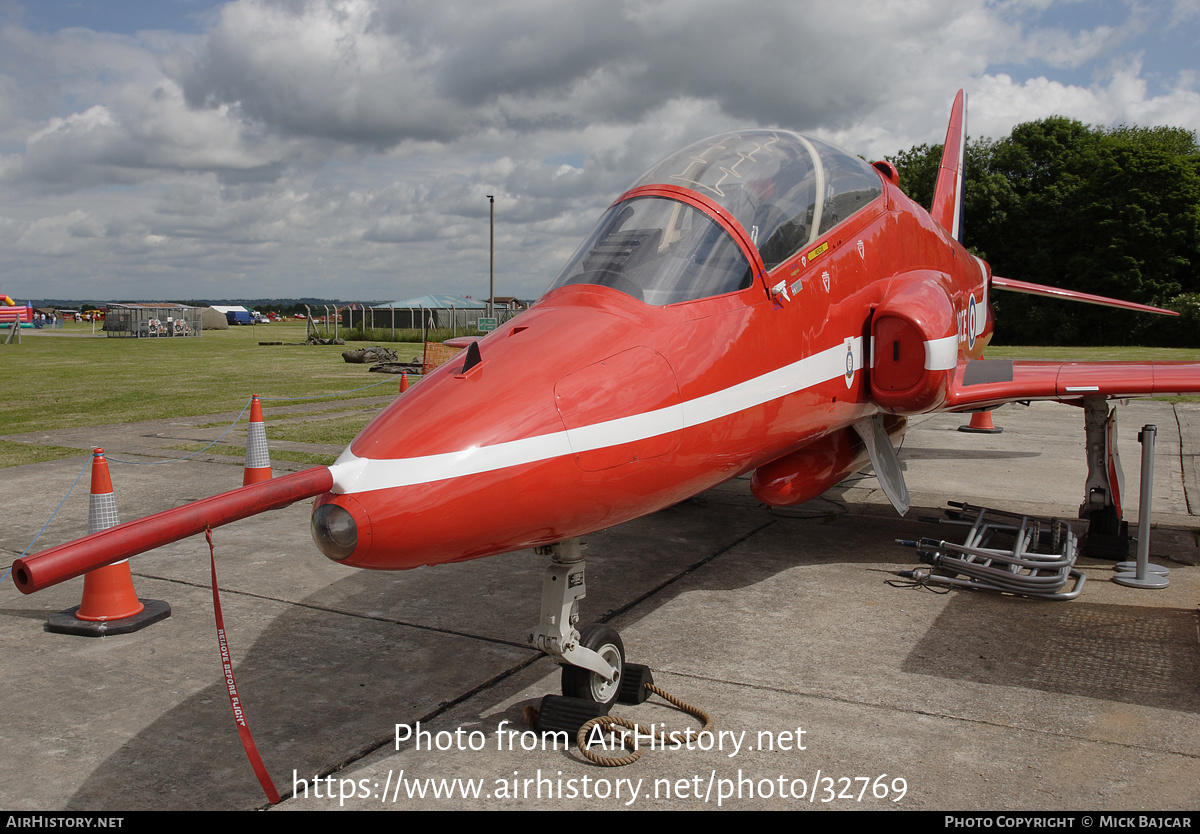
[(260, 318), (239, 317)]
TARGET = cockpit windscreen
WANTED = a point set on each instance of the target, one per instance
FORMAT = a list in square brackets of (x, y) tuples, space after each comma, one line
[(659, 251)]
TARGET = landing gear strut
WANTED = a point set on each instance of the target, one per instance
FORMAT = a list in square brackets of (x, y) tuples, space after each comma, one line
[(593, 658), (1107, 534)]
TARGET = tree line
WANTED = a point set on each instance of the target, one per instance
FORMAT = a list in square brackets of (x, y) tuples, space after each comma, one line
[(1110, 211)]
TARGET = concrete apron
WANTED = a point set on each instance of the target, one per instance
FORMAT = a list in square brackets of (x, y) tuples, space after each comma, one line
[(774, 622)]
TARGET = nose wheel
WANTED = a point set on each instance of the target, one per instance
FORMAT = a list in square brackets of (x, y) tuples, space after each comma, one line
[(578, 682), (593, 658)]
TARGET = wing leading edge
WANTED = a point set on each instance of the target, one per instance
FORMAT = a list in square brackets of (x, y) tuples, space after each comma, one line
[(1027, 288), (984, 383)]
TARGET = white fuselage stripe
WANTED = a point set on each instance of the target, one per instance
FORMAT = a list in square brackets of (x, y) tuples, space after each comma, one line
[(352, 474), (941, 354)]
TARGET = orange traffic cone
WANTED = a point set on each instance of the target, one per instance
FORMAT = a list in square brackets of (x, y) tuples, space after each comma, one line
[(403, 383), (981, 423), (110, 605), (258, 459)]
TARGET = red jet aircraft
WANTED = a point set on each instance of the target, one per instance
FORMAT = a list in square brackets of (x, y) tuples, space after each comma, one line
[(759, 301)]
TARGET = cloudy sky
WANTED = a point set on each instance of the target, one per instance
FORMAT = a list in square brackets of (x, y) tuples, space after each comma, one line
[(171, 149)]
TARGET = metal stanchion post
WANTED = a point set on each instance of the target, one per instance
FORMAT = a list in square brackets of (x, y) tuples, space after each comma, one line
[(1141, 574)]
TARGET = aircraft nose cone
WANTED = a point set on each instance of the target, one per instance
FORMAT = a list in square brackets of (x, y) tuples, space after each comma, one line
[(335, 531)]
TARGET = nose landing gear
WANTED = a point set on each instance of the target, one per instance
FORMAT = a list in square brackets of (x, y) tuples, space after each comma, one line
[(593, 658)]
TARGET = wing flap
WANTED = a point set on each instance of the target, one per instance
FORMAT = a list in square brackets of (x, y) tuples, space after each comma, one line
[(990, 382)]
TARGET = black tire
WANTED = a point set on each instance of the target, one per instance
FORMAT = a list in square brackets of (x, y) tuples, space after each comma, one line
[(586, 684)]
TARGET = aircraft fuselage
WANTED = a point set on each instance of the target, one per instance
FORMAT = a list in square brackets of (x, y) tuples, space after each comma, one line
[(595, 407)]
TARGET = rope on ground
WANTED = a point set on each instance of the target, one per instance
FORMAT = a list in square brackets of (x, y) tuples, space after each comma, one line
[(86, 465), (608, 723), (237, 420)]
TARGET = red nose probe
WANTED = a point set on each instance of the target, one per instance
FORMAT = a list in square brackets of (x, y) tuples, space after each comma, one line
[(58, 564)]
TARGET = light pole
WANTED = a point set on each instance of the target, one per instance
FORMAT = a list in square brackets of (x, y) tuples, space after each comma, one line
[(492, 256)]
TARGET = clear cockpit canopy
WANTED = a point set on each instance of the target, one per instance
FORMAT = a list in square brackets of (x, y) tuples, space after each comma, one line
[(784, 189), (659, 251)]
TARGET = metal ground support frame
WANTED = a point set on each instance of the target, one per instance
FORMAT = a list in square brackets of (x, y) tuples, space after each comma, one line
[(1006, 552)]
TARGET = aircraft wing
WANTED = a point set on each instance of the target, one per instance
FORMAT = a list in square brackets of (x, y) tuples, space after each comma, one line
[(1027, 288), (984, 383)]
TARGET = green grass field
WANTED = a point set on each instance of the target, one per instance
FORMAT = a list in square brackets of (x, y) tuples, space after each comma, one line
[(68, 378)]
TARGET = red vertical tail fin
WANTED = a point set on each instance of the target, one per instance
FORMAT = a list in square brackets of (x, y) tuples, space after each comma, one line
[(948, 193)]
